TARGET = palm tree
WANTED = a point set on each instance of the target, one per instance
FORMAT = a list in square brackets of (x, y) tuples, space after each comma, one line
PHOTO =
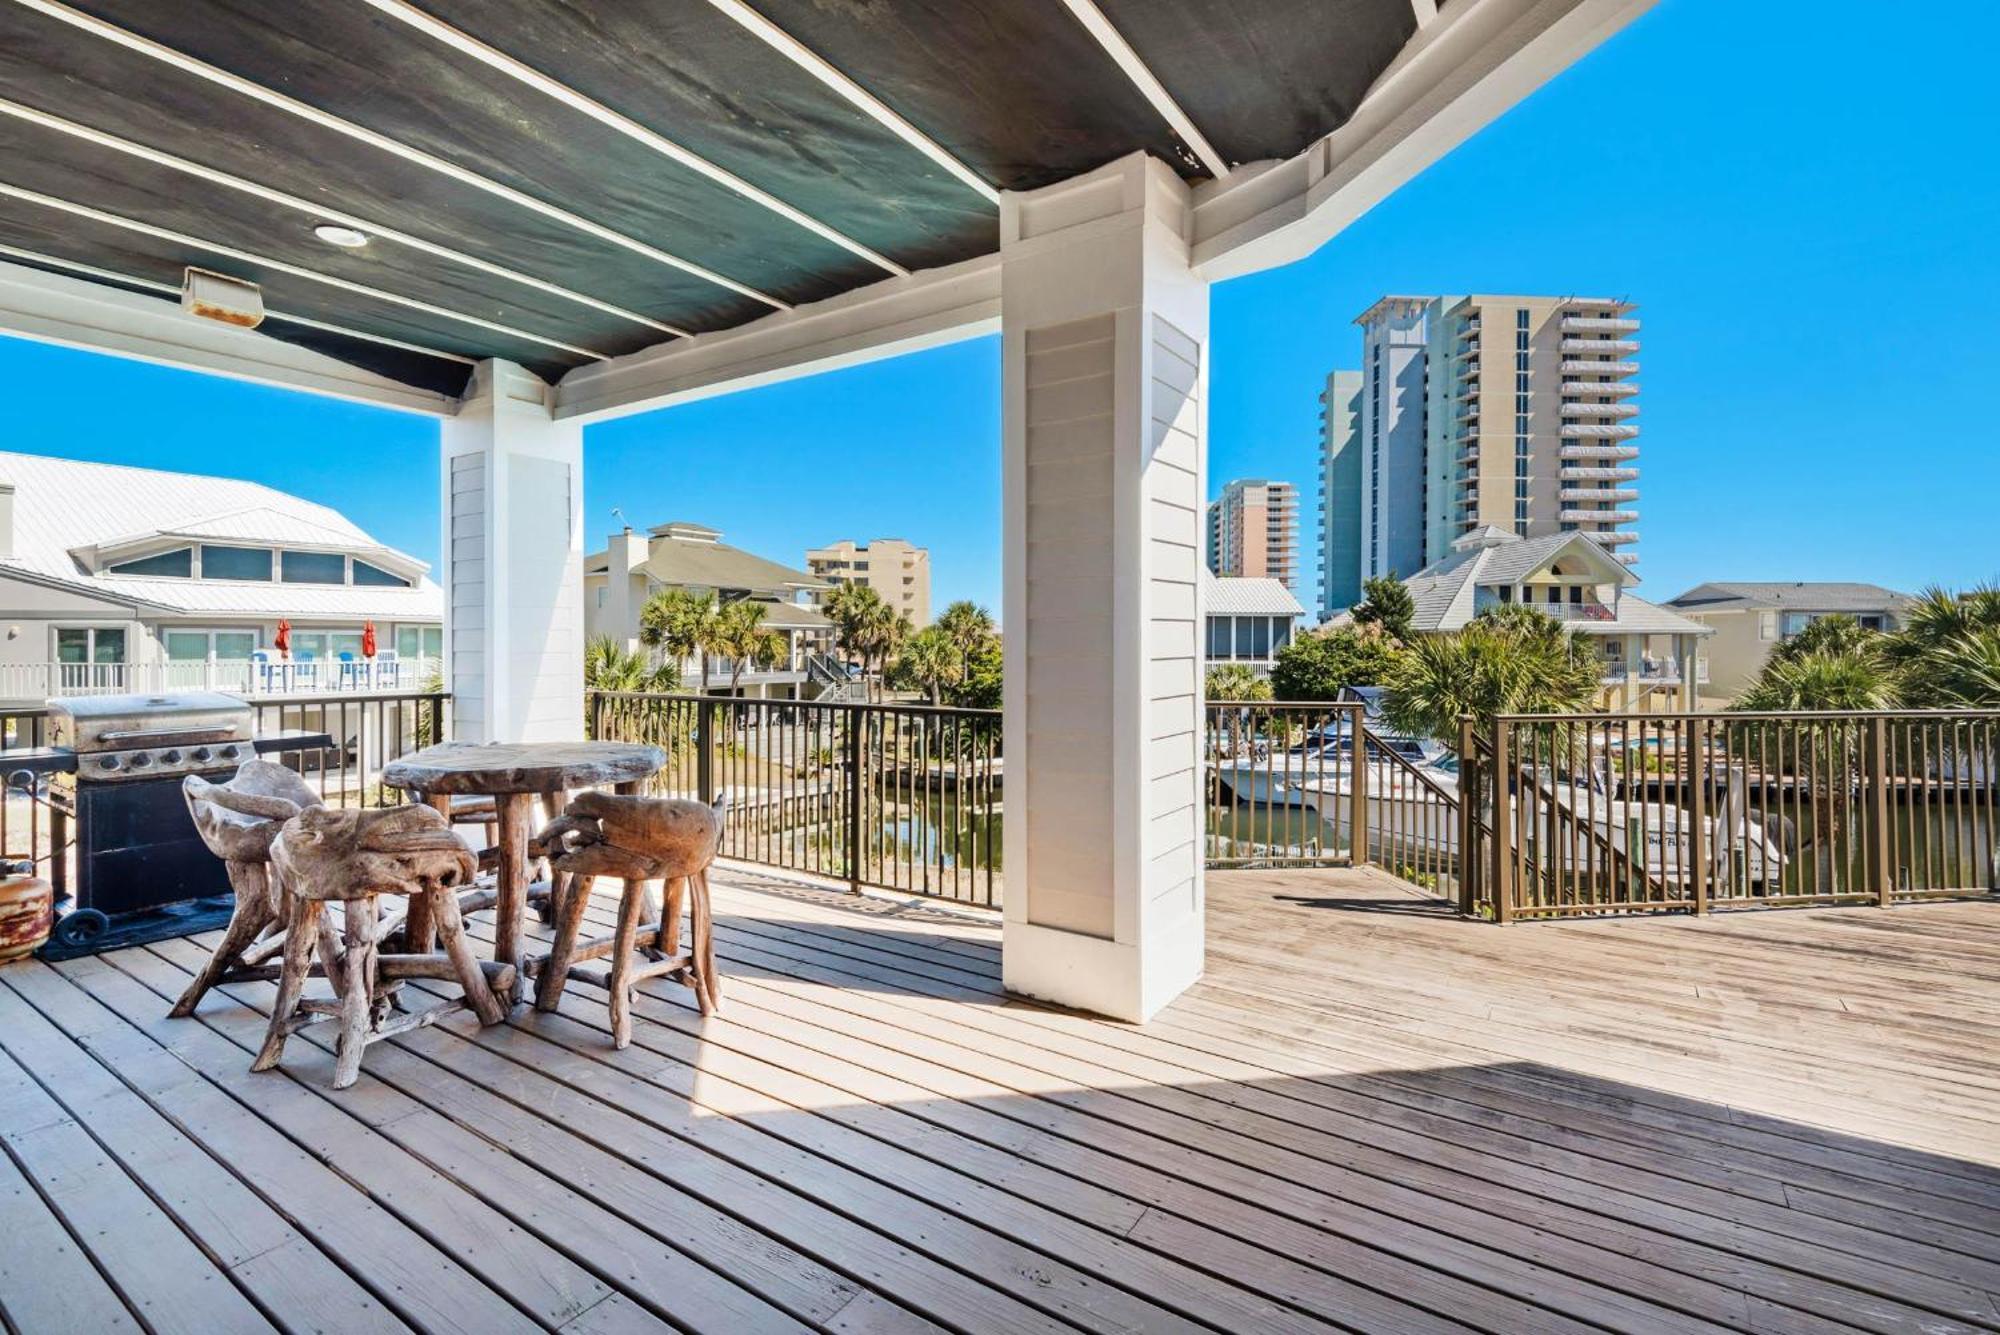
[(681, 624), (606, 667), (1234, 683), (1939, 630), (1521, 662), (931, 661), (850, 607), (879, 634), (739, 628), (1854, 676), (968, 626)]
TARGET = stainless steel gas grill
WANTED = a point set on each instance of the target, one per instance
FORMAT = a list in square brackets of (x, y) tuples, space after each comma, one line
[(142, 871)]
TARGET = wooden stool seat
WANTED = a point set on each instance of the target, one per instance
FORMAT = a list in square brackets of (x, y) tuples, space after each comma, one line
[(353, 857), (637, 840), (239, 819)]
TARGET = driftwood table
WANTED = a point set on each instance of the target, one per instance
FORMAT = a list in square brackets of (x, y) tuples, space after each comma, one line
[(514, 775)]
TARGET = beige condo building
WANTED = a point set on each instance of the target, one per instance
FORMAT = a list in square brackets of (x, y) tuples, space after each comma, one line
[(1253, 532), (899, 571), (1532, 406)]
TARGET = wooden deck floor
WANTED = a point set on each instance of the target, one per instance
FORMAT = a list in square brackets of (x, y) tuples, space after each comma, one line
[(1369, 1116)]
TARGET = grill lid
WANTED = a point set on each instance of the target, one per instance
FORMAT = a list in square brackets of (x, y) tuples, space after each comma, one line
[(90, 723)]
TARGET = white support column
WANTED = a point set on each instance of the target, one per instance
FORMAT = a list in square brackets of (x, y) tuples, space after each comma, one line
[(1104, 333), (512, 486)]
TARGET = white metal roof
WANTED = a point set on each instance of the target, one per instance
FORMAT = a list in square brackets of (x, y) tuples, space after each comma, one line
[(1235, 595), (66, 506)]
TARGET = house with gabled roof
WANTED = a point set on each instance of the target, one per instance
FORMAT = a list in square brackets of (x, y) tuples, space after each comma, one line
[(633, 567), (1750, 618), (1650, 654), (116, 578)]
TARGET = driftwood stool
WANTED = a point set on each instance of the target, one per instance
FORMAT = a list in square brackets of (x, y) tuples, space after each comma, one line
[(637, 840), (352, 858), (238, 819)]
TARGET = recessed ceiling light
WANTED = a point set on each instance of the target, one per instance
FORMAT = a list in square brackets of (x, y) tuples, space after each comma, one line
[(336, 235)]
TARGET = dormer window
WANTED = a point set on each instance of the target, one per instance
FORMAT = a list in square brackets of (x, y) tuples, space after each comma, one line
[(178, 563)]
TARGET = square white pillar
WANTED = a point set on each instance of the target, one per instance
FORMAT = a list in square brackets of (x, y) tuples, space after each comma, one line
[(512, 488), (1105, 373)]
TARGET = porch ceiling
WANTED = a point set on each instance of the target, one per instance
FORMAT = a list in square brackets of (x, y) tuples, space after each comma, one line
[(596, 240)]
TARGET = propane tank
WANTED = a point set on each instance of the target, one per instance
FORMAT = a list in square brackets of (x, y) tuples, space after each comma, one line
[(27, 910)]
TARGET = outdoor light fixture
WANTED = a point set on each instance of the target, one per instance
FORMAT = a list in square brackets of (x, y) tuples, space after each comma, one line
[(217, 296), (336, 235)]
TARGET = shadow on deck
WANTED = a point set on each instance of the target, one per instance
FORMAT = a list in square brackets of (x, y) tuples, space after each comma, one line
[(1369, 1115)]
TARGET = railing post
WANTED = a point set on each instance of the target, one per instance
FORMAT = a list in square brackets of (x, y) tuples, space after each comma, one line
[(1468, 818), (1357, 841), (1878, 812), (857, 718), (704, 754), (1698, 846), (1503, 863)]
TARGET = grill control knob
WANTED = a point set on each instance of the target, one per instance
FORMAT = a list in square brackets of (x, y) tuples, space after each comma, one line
[(141, 760), (109, 762), (170, 757), (227, 753), (198, 755)]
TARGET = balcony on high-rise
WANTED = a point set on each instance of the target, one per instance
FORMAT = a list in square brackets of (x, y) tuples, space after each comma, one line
[(1604, 451), (1599, 430), (1597, 516), (1598, 324), (1600, 368), (1615, 389), (1598, 345)]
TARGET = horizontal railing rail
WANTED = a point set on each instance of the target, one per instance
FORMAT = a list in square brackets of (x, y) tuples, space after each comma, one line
[(236, 676), (1592, 814), (889, 796)]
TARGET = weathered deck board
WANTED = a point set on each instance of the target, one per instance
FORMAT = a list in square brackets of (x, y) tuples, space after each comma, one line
[(1369, 1115)]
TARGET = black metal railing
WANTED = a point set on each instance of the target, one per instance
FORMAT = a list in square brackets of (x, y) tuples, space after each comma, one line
[(1591, 814), (891, 796)]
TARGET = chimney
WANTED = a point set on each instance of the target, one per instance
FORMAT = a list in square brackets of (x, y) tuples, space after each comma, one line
[(622, 600), (6, 519)]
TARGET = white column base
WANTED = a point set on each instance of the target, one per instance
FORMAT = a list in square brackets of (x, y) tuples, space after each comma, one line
[(1122, 981)]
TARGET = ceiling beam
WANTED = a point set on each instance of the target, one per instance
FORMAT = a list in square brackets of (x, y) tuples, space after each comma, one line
[(1142, 77), (326, 120), (73, 312), (885, 319), (466, 44), (320, 213), (60, 205), (1455, 76), (169, 290), (860, 98)]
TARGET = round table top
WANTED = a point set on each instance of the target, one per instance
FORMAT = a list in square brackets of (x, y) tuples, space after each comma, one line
[(522, 767)]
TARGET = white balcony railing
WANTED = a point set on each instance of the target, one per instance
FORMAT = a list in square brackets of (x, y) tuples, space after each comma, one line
[(1573, 473), (1619, 389), (1600, 368), (233, 676), (1599, 430), (1615, 495), (1612, 410), (1655, 670), (1599, 451), (1597, 516), (1594, 324), (1600, 345)]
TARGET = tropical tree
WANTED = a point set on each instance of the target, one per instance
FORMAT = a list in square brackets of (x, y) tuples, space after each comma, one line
[(607, 667), (681, 624), (1386, 602), (1945, 637), (931, 661), (968, 626), (1836, 634), (850, 607), (1316, 667), (878, 636), (981, 687), (738, 635), (1523, 662), (1234, 682), (1853, 676)]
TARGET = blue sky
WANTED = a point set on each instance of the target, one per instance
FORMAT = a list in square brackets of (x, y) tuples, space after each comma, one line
[(1798, 195)]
